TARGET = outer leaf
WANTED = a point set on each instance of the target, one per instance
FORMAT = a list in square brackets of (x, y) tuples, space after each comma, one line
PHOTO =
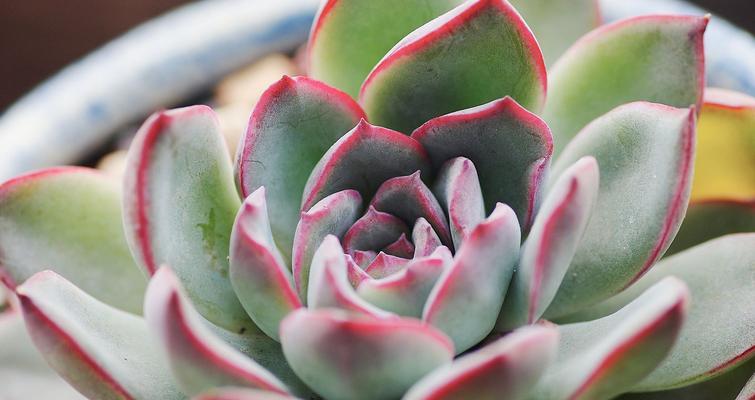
[(374, 358), (103, 352), (329, 285), (602, 358), (332, 215), (558, 24), (363, 159), (476, 53), (241, 394), (291, 127), (458, 191), (468, 296), (710, 219), (509, 146), (198, 359), (24, 374), (408, 198), (645, 153), (504, 369), (725, 386), (69, 219), (656, 58), (717, 273), (551, 244), (258, 273), (350, 36), (373, 231), (405, 292), (725, 160), (179, 205)]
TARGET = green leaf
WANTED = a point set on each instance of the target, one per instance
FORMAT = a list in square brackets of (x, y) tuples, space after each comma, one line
[(557, 24), (179, 206), (718, 334), (602, 358), (655, 58), (467, 298), (645, 153), (345, 357), (103, 352), (709, 219), (505, 369), (476, 53), (294, 123), (231, 393), (509, 146), (551, 244), (199, 359), (69, 220), (458, 190), (350, 36)]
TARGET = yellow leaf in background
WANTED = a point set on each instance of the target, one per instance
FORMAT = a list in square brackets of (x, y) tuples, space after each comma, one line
[(725, 160)]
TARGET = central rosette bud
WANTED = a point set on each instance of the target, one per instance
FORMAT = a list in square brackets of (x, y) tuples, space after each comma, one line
[(343, 214)]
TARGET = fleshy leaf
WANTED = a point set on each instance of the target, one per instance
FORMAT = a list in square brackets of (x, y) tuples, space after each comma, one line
[(329, 285), (709, 219), (476, 53), (355, 273), (725, 159), (748, 391), (405, 292), (467, 298), (258, 273), (101, 351), (199, 359), (506, 368), (231, 393), (373, 231), (551, 244), (350, 36), (332, 215), (425, 238), (291, 127), (656, 58), (603, 358), (69, 219), (645, 153), (408, 198), (458, 190), (179, 206), (385, 265), (725, 386), (402, 247), (363, 159), (718, 334), (373, 359), (558, 24), (509, 146)]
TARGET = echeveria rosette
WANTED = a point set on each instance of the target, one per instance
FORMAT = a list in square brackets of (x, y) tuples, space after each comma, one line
[(413, 244)]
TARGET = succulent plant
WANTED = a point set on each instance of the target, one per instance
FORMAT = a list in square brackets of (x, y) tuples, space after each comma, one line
[(434, 252)]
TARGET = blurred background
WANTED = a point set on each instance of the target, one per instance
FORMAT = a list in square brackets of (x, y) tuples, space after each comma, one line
[(39, 37)]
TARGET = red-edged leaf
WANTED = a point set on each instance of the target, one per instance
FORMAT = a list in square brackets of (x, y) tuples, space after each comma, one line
[(344, 357), (425, 238), (385, 265), (402, 247), (294, 123), (509, 146), (468, 296), (103, 352), (363, 159), (329, 285), (506, 368), (179, 206), (408, 198), (551, 244), (458, 190), (258, 272), (373, 231), (478, 52), (241, 394), (199, 359), (332, 215)]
